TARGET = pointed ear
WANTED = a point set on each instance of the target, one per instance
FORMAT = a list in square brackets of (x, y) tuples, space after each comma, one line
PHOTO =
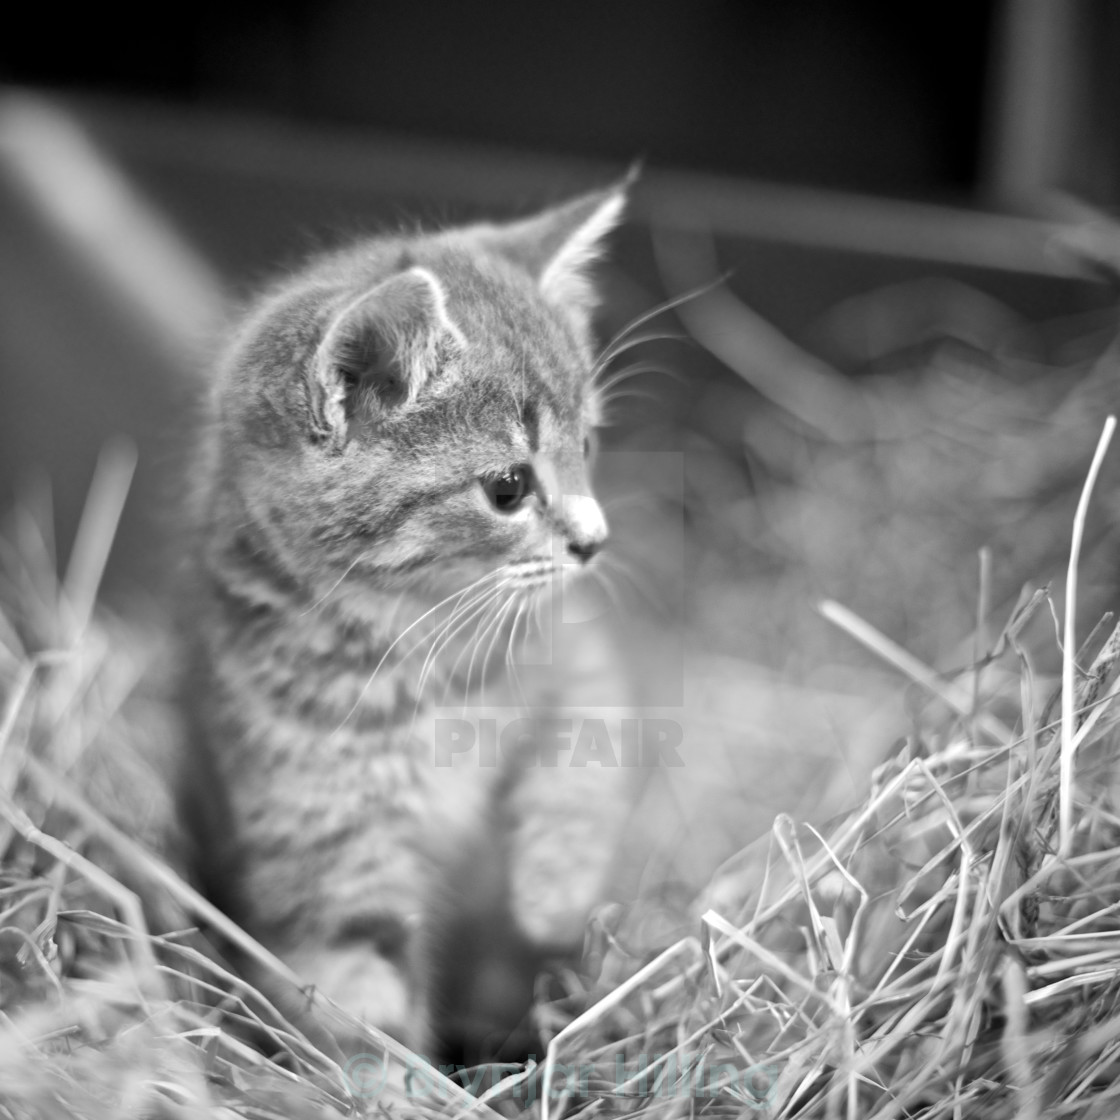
[(378, 351), (558, 248)]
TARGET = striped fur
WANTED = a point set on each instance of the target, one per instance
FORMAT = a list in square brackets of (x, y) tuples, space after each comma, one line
[(357, 418)]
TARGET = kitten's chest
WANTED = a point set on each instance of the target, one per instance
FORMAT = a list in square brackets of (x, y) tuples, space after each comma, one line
[(322, 724)]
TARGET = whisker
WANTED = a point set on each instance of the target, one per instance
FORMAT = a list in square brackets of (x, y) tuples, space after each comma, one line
[(538, 608), (505, 610), (609, 411), (515, 680), (607, 392), (454, 625), (634, 370), (667, 305), (492, 622), (500, 607), (603, 576), (611, 353), (446, 634), (454, 596), (434, 635), (319, 603), (612, 563)]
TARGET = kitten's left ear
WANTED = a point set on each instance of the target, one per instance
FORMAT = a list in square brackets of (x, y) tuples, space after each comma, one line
[(380, 348), (558, 248)]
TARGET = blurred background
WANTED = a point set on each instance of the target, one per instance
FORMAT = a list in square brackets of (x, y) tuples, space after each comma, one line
[(895, 218)]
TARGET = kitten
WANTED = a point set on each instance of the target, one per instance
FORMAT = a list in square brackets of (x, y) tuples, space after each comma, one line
[(397, 457)]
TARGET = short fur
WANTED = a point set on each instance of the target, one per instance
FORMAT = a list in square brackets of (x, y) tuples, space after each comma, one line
[(357, 417)]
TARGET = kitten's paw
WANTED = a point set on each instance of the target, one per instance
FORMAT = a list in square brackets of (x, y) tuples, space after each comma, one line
[(551, 923), (552, 896), (563, 847), (367, 986)]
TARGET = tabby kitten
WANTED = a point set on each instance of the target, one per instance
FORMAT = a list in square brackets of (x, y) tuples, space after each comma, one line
[(396, 460)]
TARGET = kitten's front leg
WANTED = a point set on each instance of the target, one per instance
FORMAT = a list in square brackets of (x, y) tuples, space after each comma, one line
[(566, 816), (345, 912), (383, 989)]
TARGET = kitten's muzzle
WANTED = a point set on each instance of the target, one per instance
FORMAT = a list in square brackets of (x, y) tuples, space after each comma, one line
[(584, 525)]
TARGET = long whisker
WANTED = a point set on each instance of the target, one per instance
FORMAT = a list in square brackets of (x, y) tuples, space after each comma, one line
[(607, 399), (667, 305), (318, 604), (613, 352), (499, 606), (515, 680), (634, 370), (443, 632), (539, 601), (487, 616), (453, 626), (455, 596), (492, 622), (610, 411), (607, 392), (500, 621), (602, 575), (433, 636), (621, 569)]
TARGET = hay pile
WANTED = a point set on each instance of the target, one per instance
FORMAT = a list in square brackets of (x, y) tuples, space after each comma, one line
[(99, 1015), (927, 955), (948, 947)]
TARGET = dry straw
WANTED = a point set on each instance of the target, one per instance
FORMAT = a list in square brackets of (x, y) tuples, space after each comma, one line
[(947, 947)]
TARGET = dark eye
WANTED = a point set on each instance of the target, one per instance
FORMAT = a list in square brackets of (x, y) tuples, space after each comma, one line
[(507, 491)]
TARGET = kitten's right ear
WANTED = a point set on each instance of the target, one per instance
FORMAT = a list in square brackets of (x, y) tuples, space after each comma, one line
[(379, 350), (558, 247)]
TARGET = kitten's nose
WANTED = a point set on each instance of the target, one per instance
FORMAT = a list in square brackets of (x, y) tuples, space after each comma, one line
[(585, 525), (584, 550)]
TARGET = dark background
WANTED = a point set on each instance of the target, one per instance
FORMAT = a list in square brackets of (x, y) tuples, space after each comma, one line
[(845, 93), (814, 151)]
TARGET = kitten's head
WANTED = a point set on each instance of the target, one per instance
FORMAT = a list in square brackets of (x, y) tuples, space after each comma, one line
[(419, 410)]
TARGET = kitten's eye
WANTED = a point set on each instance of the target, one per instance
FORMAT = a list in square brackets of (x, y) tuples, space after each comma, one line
[(508, 491)]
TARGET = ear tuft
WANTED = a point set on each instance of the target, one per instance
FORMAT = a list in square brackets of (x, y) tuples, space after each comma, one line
[(565, 282), (558, 247), (380, 349)]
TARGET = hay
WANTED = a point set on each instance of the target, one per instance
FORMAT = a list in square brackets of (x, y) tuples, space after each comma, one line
[(927, 955), (935, 950)]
